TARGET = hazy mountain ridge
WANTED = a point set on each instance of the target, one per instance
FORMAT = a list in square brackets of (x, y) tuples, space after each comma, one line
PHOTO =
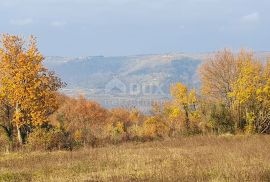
[(91, 75)]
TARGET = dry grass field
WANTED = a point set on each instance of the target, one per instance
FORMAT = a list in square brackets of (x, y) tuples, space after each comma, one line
[(200, 158)]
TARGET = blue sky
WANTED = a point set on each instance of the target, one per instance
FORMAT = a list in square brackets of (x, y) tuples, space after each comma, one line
[(128, 27)]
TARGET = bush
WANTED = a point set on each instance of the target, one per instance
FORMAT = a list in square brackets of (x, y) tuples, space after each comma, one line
[(84, 137), (221, 120), (49, 139), (115, 132), (5, 143), (136, 133), (155, 128)]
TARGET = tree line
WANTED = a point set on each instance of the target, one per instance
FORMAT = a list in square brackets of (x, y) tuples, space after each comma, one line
[(234, 98)]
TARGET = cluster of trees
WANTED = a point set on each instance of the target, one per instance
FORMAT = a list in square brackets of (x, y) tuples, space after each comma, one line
[(237, 86), (234, 98)]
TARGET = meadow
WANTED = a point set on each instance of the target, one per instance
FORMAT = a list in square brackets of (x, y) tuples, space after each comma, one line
[(197, 158)]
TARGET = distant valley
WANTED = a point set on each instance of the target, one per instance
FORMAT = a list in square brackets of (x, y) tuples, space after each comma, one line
[(128, 81)]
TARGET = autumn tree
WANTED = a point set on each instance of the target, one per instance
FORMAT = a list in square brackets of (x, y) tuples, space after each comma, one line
[(217, 75), (264, 99), (244, 90), (184, 100), (240, 82), (26, 86), (120, 120), (155, 127), (251, 95), (170, 115), (120, 115), (82, 118)]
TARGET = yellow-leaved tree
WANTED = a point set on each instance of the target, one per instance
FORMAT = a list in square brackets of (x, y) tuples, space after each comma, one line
[(26, 86), (185, 100), (244, 92), (250, 94)]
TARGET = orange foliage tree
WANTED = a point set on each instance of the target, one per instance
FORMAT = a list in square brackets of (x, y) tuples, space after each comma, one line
[(26, 86), (84, 119), (120, 120)]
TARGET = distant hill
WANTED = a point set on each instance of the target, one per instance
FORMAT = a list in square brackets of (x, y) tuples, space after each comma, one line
[(128, 81)]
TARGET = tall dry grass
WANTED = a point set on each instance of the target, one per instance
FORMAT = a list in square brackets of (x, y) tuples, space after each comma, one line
[(200, 158)]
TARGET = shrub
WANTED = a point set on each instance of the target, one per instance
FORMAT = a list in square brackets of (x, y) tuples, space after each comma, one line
[(48, 139), (115, 132), (154, 127), (5, 143), (220, 119), (136, 132), (84, 137)]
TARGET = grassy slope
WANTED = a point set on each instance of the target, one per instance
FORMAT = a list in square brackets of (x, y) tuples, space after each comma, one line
[(231, 158)]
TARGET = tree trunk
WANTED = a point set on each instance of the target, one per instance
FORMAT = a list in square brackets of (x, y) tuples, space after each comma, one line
[(19, 133), (187, 120)]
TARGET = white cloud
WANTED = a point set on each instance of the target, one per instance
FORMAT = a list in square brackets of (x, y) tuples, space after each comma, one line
[(58, 23), (252, 17), (21, 22)]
